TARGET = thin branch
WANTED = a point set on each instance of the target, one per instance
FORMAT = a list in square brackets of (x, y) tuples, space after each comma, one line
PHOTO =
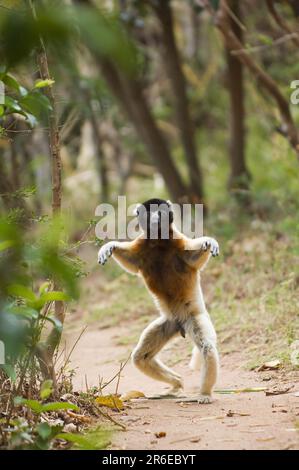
[(281, 22), (264, 79), (54, 337), (276, 42), (122, 366)]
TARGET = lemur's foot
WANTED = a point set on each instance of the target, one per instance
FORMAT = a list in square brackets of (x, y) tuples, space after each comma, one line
[(105, 252), (204, 399), (212, 244), (176, 387), (173, 392)]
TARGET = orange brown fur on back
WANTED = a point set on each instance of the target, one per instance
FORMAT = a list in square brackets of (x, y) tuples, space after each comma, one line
[(168, 277)]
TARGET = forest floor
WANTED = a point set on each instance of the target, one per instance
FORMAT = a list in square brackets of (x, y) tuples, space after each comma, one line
[(116, 307)]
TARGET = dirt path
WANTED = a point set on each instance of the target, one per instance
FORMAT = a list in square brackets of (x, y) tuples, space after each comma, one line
[(234, 421)]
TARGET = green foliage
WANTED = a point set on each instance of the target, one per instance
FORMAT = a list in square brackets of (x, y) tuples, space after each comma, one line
[(38, 407), (32, 104), (94, 439), (26, 305), (59, 27), (25, 436)]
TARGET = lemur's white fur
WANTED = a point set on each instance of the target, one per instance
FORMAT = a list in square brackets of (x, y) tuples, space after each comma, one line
[(189, 316)]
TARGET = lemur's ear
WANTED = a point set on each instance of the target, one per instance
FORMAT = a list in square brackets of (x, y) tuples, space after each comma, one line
[(169, 203), (137, 208)]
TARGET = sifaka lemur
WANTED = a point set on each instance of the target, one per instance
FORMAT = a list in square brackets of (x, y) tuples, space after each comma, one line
[(170, 266)]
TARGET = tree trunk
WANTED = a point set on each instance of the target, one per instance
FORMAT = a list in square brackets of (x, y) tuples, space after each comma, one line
[(100, 157), (6, 188), (8, 192), (15, 167), (288, 127), (178, 83), (129, 93), (54, 138), (295, 7), (239, 173), (46, 350)]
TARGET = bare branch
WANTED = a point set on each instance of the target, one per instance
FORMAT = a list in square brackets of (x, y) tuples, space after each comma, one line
[(281, 22), (263, 78)]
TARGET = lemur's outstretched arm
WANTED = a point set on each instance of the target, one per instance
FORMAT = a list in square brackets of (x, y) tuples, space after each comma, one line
[(198, 251), (122, 252)]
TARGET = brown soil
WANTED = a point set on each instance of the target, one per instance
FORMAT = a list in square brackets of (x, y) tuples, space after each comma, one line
[(249, 420)]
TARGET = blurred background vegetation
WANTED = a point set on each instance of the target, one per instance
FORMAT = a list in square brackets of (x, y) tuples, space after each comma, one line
[(187, 99)]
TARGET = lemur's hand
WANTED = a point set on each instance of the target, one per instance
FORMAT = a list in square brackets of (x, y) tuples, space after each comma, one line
[(212, 244), (105, 252)]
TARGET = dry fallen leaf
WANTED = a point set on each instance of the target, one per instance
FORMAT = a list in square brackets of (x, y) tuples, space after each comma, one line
[(78, 417), (111, 401), (277, 390), (210, 418), (231, 413), (131, 395), (271, 365), (160, 434)]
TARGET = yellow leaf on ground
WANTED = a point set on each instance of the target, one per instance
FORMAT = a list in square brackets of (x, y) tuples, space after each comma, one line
[(110, 401), (131, 395)]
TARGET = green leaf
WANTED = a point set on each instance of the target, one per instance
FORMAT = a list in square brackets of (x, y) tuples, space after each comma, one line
[(94, 439), (10, 371), (11, 82), (1, 110), (55, 406), (24, 292), (43, 430), (54, 295), (12, 104), (82, 441), (105, 36), (267, 40), (32, 121), (38, 407), (57, 323), (24, 310), (44, 287), (49, 297), (35, 103), (34, 405), (44, 83), (6, 244), (46, 389), (23, 91)]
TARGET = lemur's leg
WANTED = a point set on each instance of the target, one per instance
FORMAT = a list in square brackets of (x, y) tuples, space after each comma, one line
[(122, 252), (195, 361), (202, 332), (151, 341)]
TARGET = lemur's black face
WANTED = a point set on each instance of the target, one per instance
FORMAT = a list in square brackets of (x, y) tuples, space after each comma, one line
[(155, 217)]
